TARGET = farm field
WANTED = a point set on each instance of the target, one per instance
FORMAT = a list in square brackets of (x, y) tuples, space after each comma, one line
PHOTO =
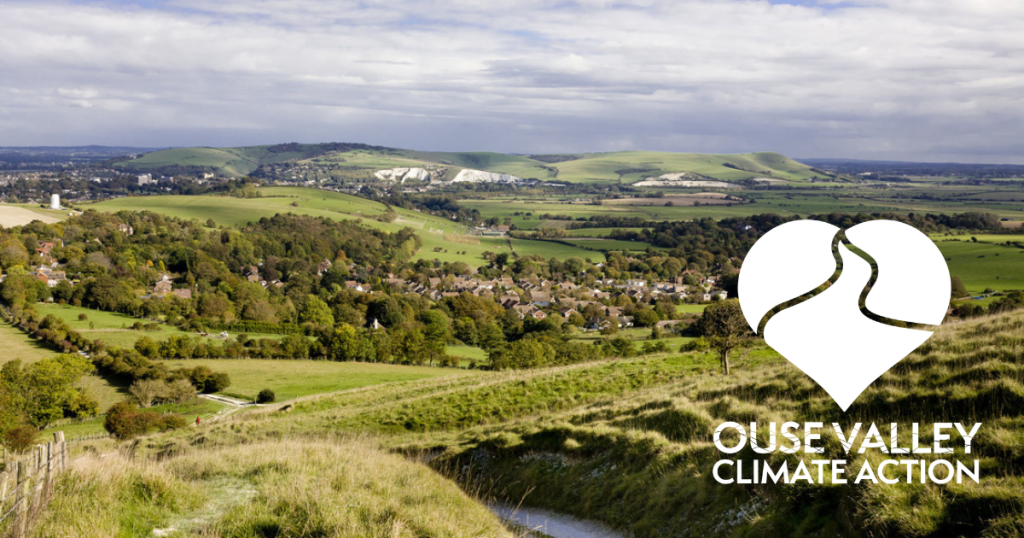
[(984, 265), (803, 202), (16, 345), (291, 379), (550, 249), (20, 214), (637, 335), (596, 232), (114, 328), (691, 308), (606, 245)]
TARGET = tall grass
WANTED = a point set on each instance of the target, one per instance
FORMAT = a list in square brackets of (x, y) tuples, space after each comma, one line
[(323, 489)]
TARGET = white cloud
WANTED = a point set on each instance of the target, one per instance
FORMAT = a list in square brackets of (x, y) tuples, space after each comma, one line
[(907, 79)]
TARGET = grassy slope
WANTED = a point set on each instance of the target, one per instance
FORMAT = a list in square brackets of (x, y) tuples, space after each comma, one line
[(112, 328), (18, 346), (594, 167), (230, 211), (284, 488), (603, 167), (291, 379), (629, 441)]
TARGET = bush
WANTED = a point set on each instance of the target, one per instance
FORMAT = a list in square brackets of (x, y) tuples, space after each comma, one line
[(21, 438), (698, 344), (124, 422), (180, 391), (83, 317), (266, 396), (170, 422), (217, 382)]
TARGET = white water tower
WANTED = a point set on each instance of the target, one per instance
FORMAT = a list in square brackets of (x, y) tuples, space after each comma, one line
[(54, 201)]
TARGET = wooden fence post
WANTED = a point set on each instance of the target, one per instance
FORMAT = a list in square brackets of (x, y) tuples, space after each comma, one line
[(62, 449), (21, 513), (49, 470)]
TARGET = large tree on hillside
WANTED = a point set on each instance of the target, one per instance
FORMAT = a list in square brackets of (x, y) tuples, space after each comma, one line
[(725, 328)]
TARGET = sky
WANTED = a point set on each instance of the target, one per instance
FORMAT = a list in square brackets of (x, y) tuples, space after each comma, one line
[(917, 80)]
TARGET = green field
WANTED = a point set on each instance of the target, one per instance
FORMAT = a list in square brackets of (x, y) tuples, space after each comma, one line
[(16, 345), (606, 245), (229, 211), (614, 167), (636, 335), (691, 308), (984, 265), (113, 328), (291, 379)]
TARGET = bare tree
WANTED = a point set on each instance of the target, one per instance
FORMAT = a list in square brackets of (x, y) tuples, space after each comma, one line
[(180, 391), (725, 328), (147, 391)]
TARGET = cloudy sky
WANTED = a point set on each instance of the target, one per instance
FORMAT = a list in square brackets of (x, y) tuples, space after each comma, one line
[(935, 80)]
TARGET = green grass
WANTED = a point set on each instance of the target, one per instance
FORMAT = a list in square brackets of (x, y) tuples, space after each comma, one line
[(347, 489), (638, 336), (984, 265), (112, 328), (691, 308), (198, 407), (291, 379), (602, 167), (607, 245), (628, 441), (17, 345)]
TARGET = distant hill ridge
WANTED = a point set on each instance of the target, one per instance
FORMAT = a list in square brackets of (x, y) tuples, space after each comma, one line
[(612, 167)]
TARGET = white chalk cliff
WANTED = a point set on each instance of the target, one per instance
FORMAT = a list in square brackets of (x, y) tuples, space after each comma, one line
[(402, 174), (479, 176)]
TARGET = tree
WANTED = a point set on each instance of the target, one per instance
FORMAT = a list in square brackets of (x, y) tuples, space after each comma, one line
[(725, 328), (266, 396), (316, 312), (147, 391), (958, 289), (180, 391)]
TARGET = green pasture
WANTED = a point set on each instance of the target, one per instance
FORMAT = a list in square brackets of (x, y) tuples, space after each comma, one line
[(291, 379), (114, 329), (984, 265), (16, 345)]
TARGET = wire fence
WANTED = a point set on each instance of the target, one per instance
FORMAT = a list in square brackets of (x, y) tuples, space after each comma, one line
[(26, 485)]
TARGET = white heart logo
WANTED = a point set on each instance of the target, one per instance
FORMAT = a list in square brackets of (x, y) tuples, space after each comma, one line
[(828, 336)]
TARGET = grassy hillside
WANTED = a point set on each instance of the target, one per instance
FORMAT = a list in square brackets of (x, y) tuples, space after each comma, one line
[(114, 329), (283, 488), (629, 441), (230, 211), (290, 379), (232, 162), (625, 166), (16, 345)]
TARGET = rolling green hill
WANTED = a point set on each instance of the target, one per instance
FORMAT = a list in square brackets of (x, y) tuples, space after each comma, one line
[(436, 232), (625, 166), (232, 162), (629, 441)]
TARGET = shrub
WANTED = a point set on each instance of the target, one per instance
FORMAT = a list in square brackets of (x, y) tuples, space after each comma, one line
[(266, 396), (123, 421), (180, 391), (217, 382), (20, 438), (698, 344), (83, 317), (170, 422)]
